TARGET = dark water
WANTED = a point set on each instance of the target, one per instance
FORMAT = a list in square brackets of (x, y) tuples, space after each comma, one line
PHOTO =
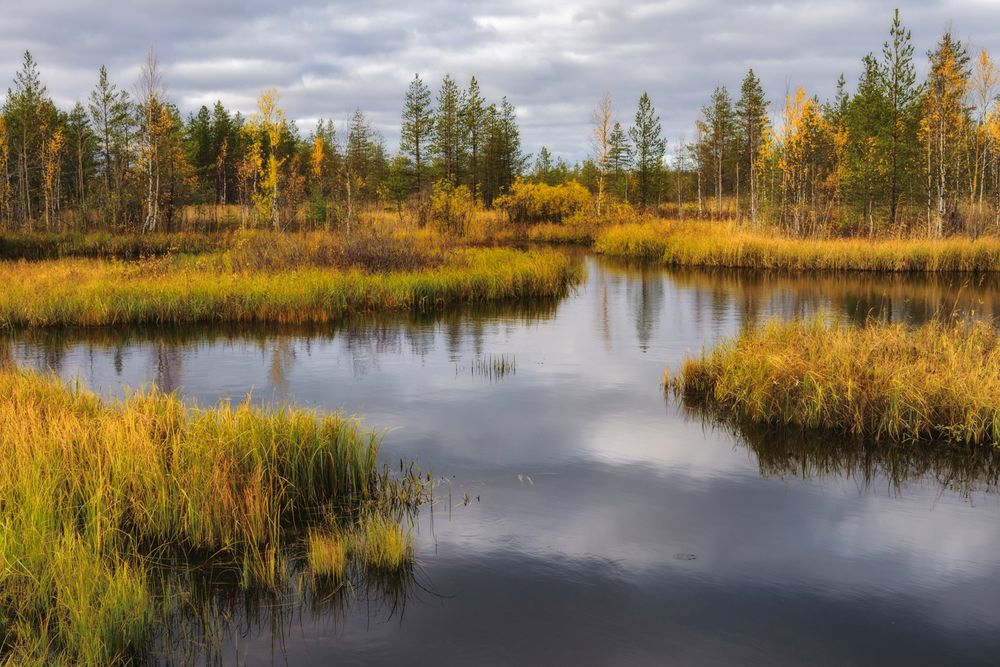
[(606, 524)]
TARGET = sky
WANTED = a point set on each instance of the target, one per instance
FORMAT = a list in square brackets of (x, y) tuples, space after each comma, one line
[(553, 59)]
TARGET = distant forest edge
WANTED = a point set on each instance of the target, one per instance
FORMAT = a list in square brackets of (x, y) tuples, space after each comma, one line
[(897, 156)]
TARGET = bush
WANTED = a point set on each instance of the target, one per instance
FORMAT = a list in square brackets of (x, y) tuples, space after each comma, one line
[(451, 207), (537, 202)]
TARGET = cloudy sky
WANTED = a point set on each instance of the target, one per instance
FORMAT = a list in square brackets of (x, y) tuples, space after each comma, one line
[(552, 59)]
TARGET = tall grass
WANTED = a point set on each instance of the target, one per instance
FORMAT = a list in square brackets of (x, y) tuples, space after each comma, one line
[(180, 290), (720, 245), (883, 382), (95, 492)]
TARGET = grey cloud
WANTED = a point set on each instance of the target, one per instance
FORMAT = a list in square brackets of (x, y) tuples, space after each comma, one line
[(552, 60)]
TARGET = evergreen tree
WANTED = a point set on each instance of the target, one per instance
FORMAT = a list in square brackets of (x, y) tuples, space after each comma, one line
[(111, 119), (649, 147), (720, 122), (899, 80), (474, 122), (620, 160), (751, 116), (417, 128), (449, 135)]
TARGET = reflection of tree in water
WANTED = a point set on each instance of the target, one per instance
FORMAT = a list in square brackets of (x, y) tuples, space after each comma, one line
[(794, 452), (896, 297), (645, 299), (282, 359), (167, 365)]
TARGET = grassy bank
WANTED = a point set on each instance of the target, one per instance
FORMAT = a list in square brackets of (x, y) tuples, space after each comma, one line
[(46, 245), (716, 245), (95, 493), (80, 292), (938, 382)]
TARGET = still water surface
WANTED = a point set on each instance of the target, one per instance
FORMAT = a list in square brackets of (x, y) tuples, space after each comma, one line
[(606, 524)]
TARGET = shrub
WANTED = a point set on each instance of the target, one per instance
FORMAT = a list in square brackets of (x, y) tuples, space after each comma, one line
[(537, 202)]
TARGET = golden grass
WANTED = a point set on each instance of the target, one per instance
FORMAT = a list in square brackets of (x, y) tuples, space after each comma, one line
[(884, 382), (95, 492), (381, 543), (82, 292), (327, 554), (727, 245)]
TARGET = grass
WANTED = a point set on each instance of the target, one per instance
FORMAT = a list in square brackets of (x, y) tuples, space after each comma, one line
[(52, 245), (96, 493), (703, 244), (327, 555), (939, 382), (183, 290), (381, 543)]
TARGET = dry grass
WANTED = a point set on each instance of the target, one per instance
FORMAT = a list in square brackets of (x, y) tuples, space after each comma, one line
[(82, 292), (884, 382), (727, 245)]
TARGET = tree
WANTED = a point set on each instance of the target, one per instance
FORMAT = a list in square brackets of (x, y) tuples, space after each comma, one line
[(269, 124), (899, 80), (474, 121), (80, 142), (620, 159), (417, 127), (449, 135), (720, 124), (751, 116), (600, 143), (943, 127), (503, 156), (153, 124), (868, 123), (109, 114), (30, 117), (649, 146)]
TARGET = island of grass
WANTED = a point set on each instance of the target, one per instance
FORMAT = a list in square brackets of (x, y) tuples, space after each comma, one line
[(103, 498), (936, 383), (275, 278)]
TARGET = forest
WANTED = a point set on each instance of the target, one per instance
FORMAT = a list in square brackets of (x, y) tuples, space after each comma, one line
[(897, 155)]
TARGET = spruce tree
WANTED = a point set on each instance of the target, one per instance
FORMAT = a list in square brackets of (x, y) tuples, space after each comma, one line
[(649, 146), (417, 127)]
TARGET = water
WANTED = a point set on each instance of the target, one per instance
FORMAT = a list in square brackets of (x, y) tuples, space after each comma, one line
[(605, 523)]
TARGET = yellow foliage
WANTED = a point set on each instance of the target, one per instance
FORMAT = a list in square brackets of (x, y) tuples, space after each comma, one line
[(539, 202)]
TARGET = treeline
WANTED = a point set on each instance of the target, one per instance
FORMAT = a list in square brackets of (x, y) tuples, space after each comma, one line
[(122, 160), (896, 156)]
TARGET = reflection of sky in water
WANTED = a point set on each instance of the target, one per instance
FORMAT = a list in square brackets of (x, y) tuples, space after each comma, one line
[(581, 561)]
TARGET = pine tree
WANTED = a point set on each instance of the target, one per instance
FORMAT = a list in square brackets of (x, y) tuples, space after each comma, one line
[(899, 80), (751, 116), (110, 115), (720, 122), (449, 138), (620, 159), (868, 122), (30, 119), (417, 128), (649, 146), (474, 121)]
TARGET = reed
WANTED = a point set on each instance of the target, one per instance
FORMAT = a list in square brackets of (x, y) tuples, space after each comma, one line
[(80, 292), (726, 245), (97, 493), (939, 382)]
